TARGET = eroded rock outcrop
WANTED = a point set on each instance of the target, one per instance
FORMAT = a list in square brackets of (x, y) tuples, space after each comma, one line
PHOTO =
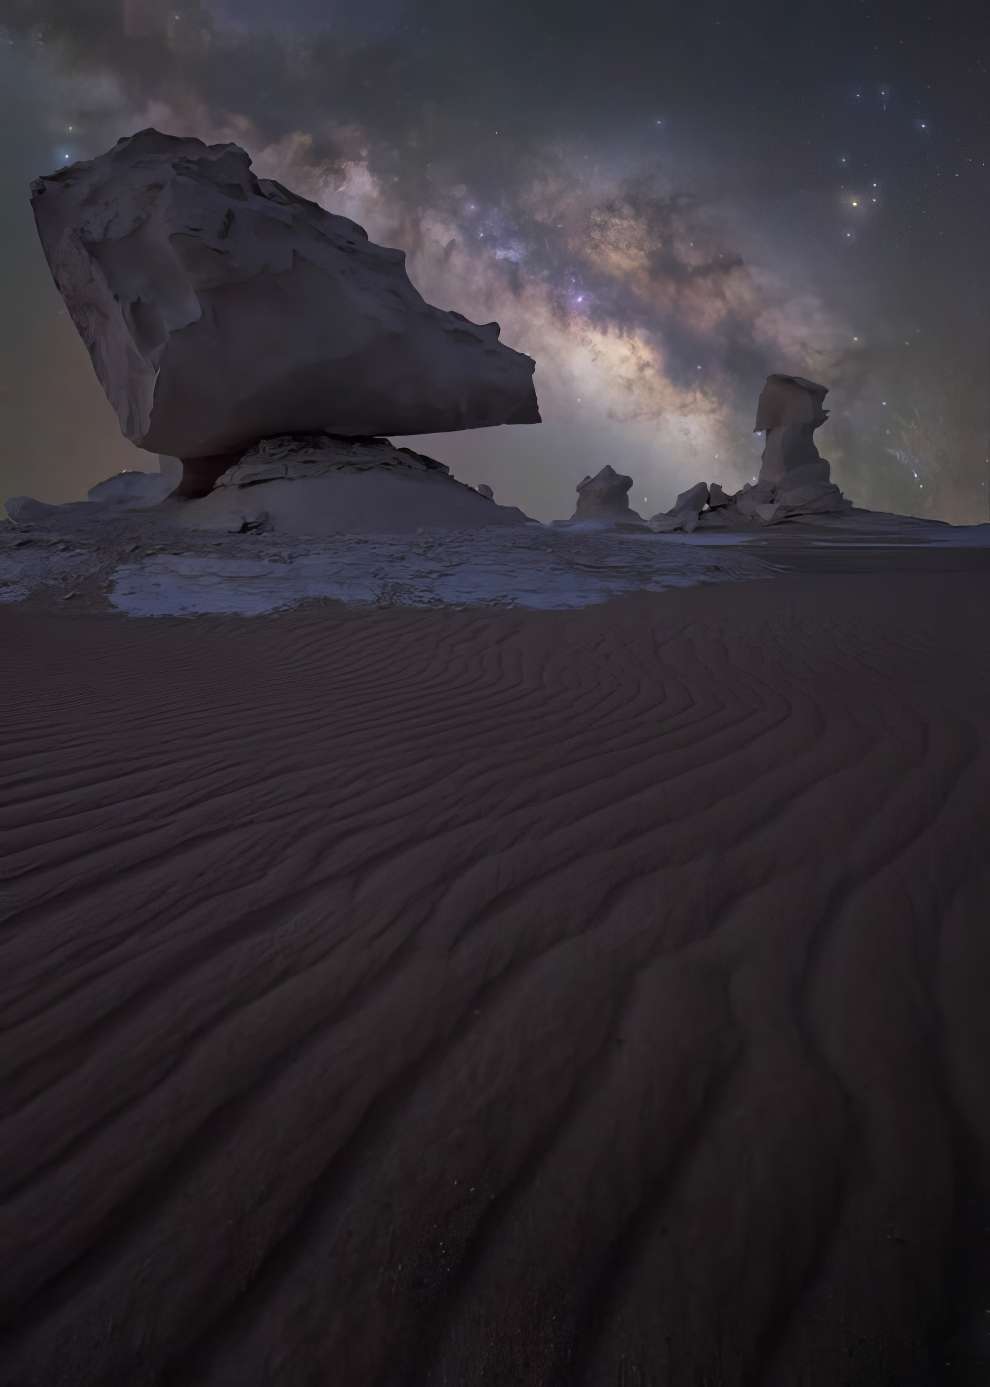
[(794, 478), (685, 513), (317, 484), (303, 457), (132, 490), (605, 496), (219, 309)]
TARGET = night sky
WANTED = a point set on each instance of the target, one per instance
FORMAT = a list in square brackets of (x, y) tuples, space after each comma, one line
[(659, 202)]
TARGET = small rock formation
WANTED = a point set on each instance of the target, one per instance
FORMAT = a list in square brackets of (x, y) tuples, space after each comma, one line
[(485, 490), (219, 309), (605, 496), (686, 511), (25, 510)]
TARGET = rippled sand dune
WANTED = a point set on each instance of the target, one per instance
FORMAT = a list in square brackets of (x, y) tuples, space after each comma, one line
[(568, 999)]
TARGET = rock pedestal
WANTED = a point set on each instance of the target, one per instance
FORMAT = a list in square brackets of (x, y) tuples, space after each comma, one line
[(316, 484)]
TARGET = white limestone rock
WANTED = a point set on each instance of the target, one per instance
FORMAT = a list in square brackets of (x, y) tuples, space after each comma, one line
[(685, 513), (751, 497), (219, 309), (718, 497), (322, 485), (25, 510), (294, 457), (789, 411), (605, 496), (132, 490)]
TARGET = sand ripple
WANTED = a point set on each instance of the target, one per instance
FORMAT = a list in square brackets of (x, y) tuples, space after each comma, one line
[(558, 999)]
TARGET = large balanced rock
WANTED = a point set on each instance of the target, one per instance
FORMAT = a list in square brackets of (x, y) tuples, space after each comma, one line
[(605, 496), (219, 308)]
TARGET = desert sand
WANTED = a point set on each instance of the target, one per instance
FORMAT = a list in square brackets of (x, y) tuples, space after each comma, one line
[(590, 998)]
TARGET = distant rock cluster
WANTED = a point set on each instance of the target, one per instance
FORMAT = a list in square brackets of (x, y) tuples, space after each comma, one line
[(794, 479)]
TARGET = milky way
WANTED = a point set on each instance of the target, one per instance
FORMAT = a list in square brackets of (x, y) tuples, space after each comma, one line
[(659, 208)]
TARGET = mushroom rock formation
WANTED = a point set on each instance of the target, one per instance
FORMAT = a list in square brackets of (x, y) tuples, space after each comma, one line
[(685, 513), (794, 478), (219, 309), (605, 496), (316, 484)]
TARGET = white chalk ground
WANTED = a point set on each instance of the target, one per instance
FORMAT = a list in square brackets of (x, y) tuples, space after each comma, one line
[(135, 562), (532, 568), (29, 568)]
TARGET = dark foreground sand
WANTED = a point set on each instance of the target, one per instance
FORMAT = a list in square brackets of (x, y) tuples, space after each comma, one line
[(592, 999)]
